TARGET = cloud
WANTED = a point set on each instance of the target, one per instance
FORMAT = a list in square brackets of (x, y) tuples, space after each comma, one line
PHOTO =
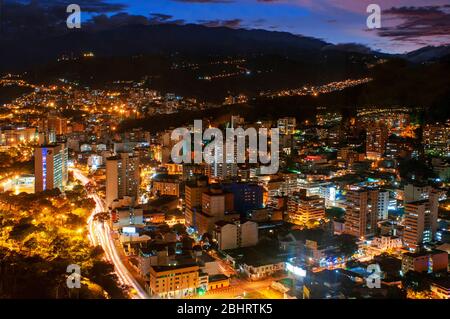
[(90, 6), (414, 23), (204, 1)]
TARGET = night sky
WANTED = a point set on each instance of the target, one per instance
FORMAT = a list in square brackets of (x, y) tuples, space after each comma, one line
[(406, 24)]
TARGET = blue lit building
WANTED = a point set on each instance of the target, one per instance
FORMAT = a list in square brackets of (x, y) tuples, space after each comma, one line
[(50, 167)]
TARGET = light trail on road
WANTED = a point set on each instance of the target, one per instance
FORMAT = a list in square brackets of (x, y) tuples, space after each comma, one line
[(100, 233)]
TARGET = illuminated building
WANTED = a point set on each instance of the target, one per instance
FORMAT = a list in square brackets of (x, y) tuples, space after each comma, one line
[(287, 125), (166, 185), (440, 287), (122, 177), (420, 221), (349, 156), (50, 167), (216, 205), (193, 198), (360, 218), (15, 136), (127, 216), (19, 184), (380, 203), (376, 139), (436, 138), (232, 235), (428, 261), (55, 124), (177, 281), (302, 208), (414, 193), (218, 281)]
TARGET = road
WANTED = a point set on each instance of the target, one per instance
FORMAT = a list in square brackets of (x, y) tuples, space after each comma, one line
[(226, 269), (100, 233), (246, 289)]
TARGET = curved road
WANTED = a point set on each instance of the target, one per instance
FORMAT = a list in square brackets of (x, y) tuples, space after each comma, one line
[(100, 233)]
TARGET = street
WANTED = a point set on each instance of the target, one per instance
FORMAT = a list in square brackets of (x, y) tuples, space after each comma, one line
[(100, 233)]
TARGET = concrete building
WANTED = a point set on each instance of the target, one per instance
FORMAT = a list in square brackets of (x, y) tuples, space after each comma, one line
[(440, 287), (247, 196), (380, 203), (429, 261), (177, 281), (360, 218), (50, 167), (436, 138), (193, 198), (287, 125), (57, 124), (15, 136), (420, 221), (122, 177), (127, 216), (216, 205), (231, 235), (376, 139), (414, 193), (166, 185), (303, 208)]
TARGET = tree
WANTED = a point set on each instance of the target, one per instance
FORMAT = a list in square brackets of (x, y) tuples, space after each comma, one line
[(347, 244), (415, 281)]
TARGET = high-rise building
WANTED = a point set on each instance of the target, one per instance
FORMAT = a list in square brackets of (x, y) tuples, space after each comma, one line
[(420, 221), (413, 193), (220, 169), (54, 123), (360, 217), (50, 167), (376, 139), (287, 125), (122, 177), (303, 208), (216, 205), (436, 138), (193, 198), (166, 185), (379, 200), (247, 196)]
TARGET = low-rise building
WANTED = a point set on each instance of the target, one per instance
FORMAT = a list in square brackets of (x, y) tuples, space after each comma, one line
[(440, 287), (231, 235), (429, 261), (177, 281)]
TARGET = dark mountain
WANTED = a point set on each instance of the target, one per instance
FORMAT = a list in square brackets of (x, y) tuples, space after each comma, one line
[(162, 53), (427, 54), (164, 38), (28, 50)]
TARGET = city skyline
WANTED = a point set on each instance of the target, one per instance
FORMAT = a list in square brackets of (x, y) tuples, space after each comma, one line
[(146, 157)]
